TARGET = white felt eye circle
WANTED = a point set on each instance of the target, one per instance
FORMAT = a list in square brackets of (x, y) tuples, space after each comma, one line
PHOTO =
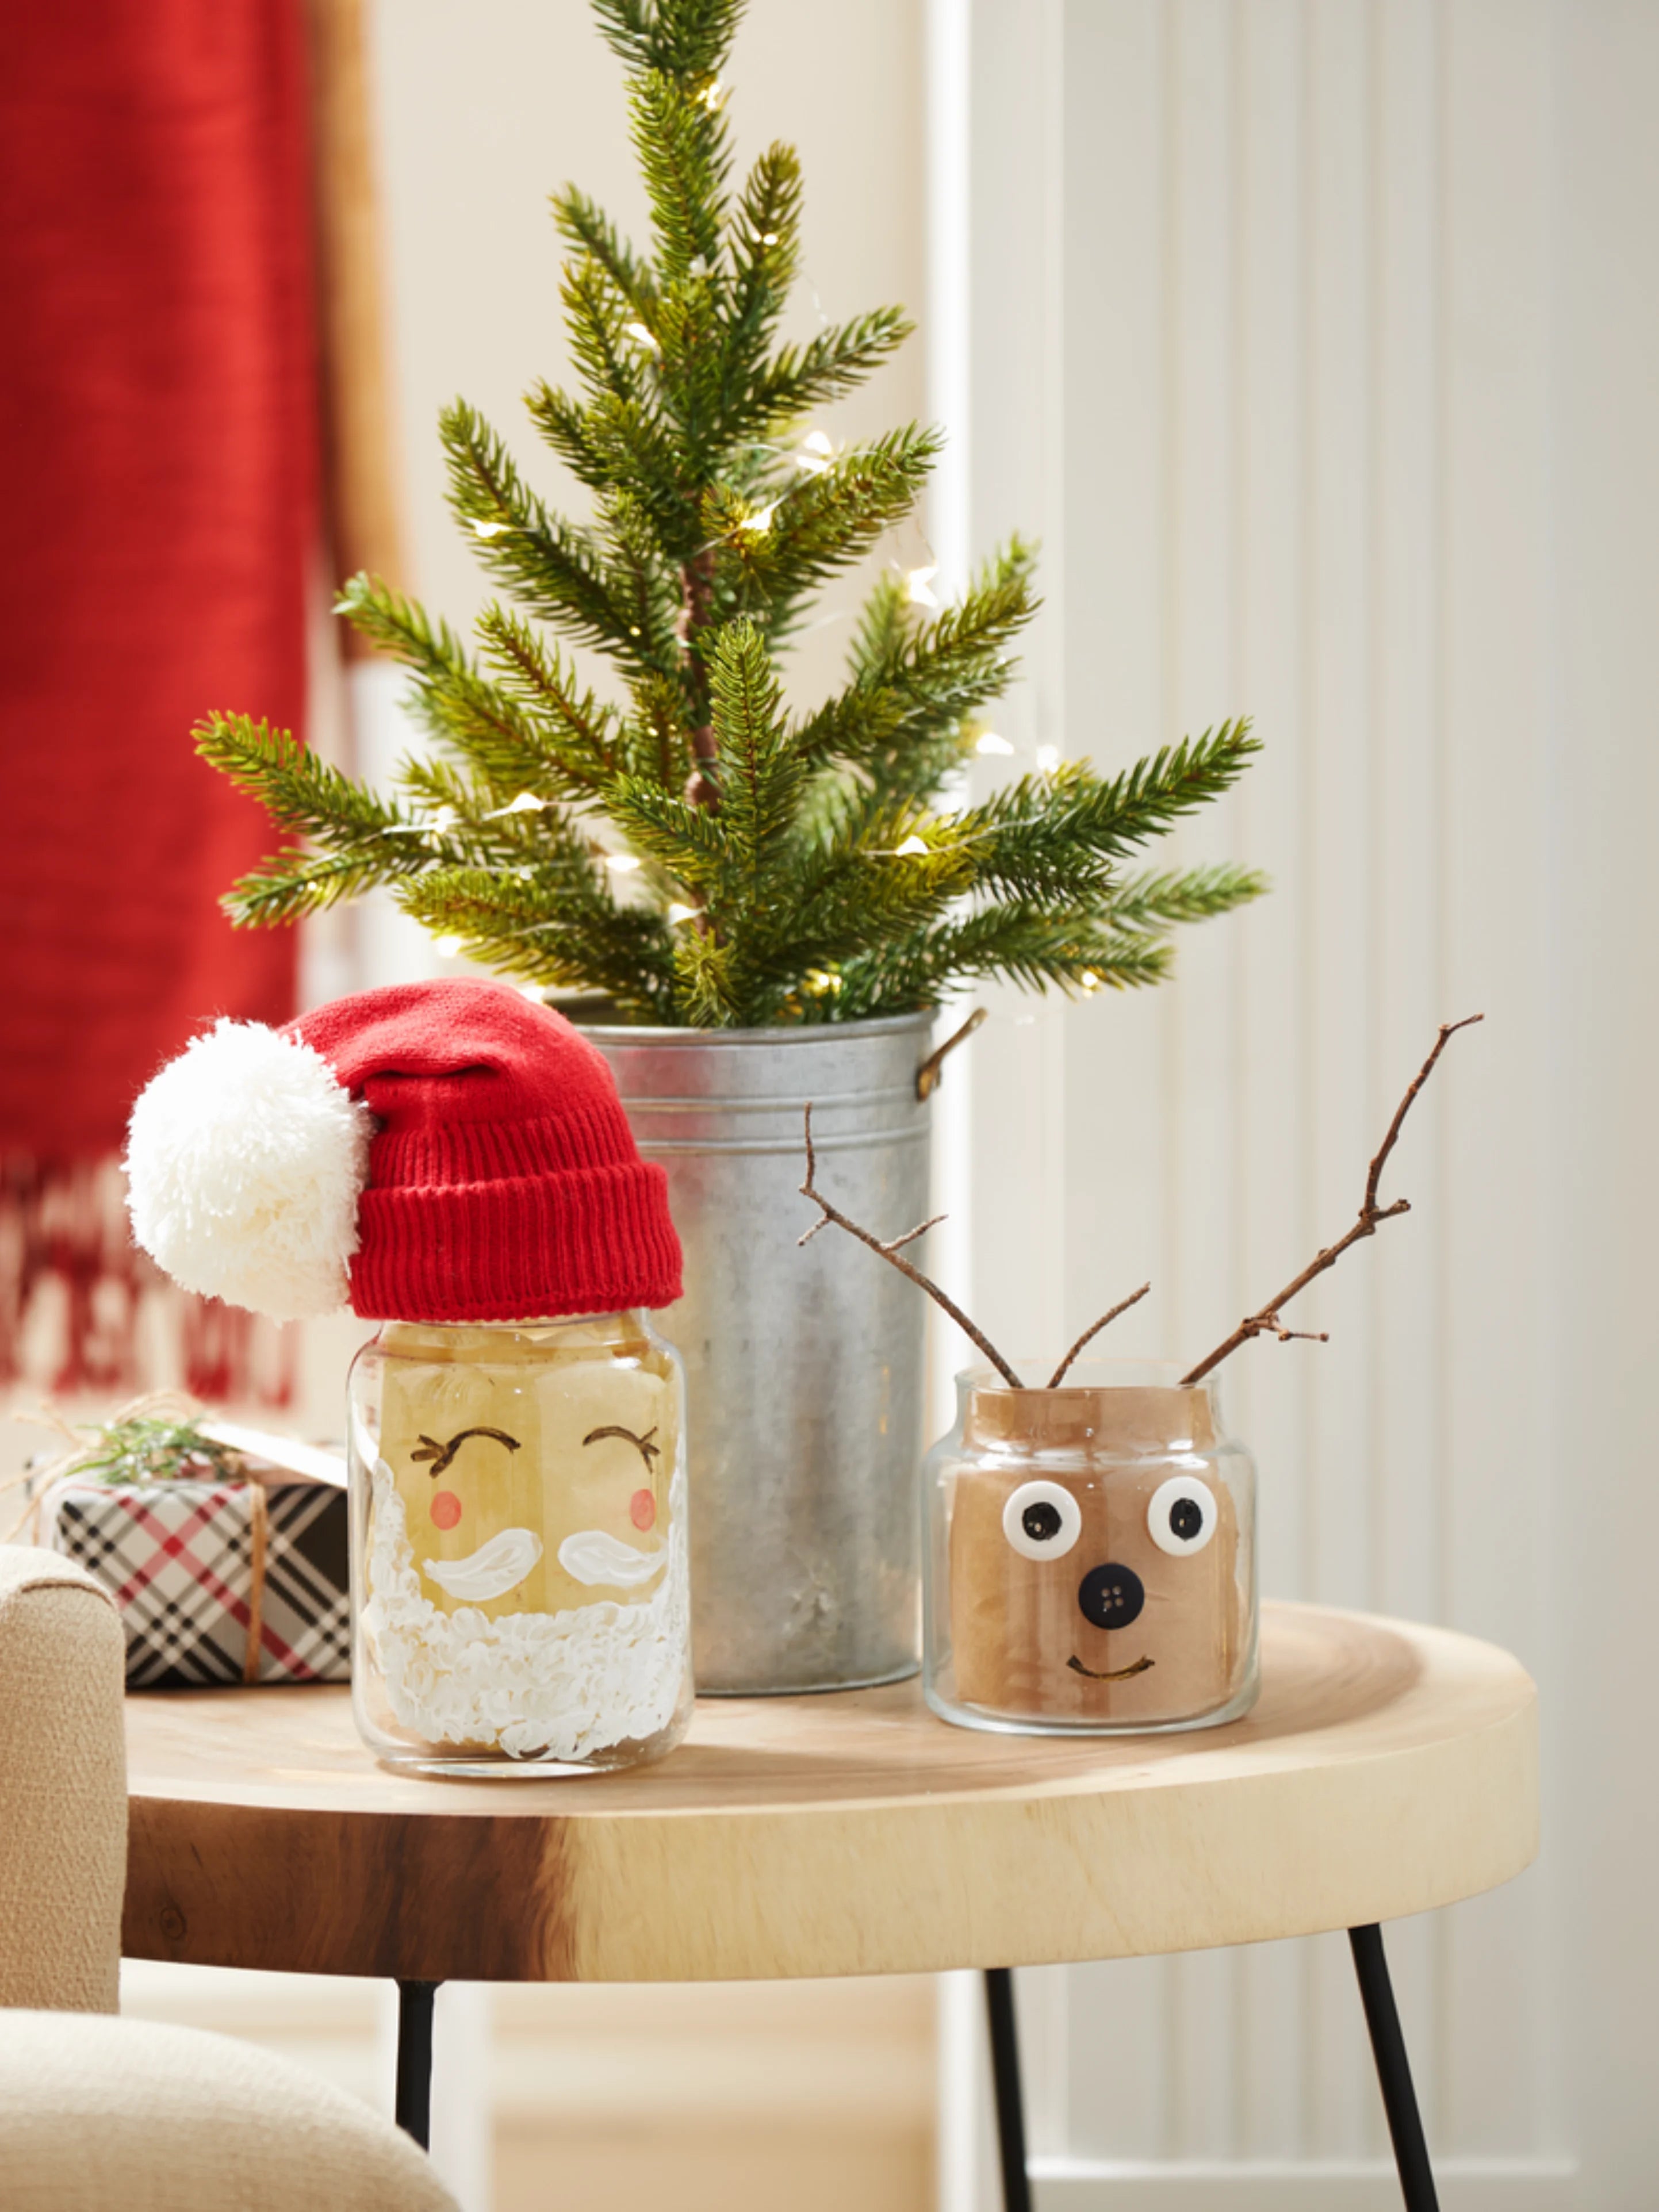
[(1183, 1515), (1042, 1521)]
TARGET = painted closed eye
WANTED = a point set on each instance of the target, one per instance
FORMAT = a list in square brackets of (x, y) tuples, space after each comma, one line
[(648, 1452), (1182, 1515), (440, 1454), (1042, 1521)]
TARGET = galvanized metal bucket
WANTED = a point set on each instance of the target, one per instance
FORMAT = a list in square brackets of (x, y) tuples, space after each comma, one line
[(804, 1368)]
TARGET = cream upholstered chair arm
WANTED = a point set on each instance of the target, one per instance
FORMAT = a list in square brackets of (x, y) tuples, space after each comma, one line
[(128, 2116), (123, 2115), (63, 1786)]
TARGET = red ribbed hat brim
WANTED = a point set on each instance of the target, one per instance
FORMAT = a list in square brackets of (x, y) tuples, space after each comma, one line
[(518, 1249)]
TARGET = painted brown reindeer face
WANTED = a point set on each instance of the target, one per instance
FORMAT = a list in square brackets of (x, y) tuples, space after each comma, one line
[(1095, 1571)]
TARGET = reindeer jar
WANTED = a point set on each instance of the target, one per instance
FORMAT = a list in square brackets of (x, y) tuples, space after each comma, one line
[(1090, 1557), (456, 1162), (1089, 1553)]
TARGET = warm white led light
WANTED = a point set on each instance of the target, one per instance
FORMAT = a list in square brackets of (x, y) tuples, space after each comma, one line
[(912, 845), (491, 529), (991, 743), (621, 864), (679, 912), (446, 947), (920, 582), (1047, 758), (640, 336)]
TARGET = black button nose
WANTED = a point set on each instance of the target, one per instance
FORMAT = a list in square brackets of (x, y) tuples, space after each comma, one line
[(1111, 1597)]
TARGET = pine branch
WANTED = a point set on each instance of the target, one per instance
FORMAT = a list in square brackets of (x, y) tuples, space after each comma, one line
[(655, 744), (607, 353), (688, 842), (555, 924), (588, 231), (704, 995), (549, 568), (1183, 895), (285, 889), (760, 773), (570, 741), (684, 159), (827, 368), (685, 38), (365, 839), (901, 721), (1146, 799), (297, 789), (560, 752), (765, 254), (1030, 945), (769, 559)]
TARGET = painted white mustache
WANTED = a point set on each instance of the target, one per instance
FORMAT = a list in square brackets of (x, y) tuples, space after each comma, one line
[(590, 1556), (492, 1570)]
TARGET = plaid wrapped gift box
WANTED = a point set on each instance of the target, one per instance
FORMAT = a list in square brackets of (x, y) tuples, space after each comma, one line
[(186, 1562)]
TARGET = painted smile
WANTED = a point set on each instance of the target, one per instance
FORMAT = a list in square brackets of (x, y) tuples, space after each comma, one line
[(1109, 1674)]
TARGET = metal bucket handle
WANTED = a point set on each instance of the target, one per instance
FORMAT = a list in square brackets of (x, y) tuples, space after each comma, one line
[(928, 1074)]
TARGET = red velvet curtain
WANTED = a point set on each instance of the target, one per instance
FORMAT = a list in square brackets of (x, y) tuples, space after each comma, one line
[(158, 418)]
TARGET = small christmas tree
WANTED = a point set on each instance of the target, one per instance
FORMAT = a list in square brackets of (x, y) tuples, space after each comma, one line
[(757, 867)]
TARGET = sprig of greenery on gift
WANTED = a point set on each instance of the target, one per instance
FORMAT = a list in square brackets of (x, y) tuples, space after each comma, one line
[(691, 849), (150, 1449)]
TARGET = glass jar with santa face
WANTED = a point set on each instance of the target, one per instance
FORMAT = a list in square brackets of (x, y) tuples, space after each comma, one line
[(520, 1568), (1089, 1556)]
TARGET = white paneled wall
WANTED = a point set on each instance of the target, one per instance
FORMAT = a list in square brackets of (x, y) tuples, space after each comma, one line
[(1267, 340)]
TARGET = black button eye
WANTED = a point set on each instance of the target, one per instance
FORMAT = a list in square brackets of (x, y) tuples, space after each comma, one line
[(1186, 1519), (1111, 1597), (1040, 1522)]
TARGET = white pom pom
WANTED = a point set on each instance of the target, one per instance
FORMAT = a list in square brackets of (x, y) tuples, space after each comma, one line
[(246, 1159)]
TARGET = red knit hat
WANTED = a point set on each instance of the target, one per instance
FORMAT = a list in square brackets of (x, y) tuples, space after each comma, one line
[(457, 1150)]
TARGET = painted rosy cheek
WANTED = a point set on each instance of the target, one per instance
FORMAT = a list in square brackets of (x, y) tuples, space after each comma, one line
[(642, 1509), (445, 1509)]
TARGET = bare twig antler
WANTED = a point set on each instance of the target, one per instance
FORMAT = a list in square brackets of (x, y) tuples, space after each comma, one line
[(889, 1252), (1267, 1322), (1094, 1329)]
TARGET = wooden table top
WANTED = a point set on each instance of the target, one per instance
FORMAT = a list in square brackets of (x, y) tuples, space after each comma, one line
[(1387, 1768)]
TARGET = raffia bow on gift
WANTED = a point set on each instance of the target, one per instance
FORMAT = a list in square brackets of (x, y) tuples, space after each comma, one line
[(88, 1446)]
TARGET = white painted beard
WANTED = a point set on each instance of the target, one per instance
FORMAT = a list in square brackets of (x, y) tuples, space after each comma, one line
[(537, 1685)]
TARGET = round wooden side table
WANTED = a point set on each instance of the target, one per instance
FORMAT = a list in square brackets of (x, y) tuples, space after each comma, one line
[(1386, 1769)]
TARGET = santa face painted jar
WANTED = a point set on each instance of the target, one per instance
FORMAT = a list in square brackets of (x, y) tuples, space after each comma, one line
[(1089, 1556), (519, 1586)]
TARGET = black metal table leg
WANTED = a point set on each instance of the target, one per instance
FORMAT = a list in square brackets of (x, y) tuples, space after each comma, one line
[(414, 2098), (1005, 2074), (1411, 2152)]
